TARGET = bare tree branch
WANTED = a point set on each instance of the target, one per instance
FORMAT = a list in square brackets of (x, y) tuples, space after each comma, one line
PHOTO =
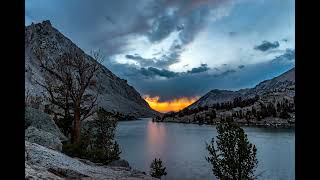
[(67, 80)]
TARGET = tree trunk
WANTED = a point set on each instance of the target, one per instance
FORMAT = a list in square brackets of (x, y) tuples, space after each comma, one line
[(76, 125)]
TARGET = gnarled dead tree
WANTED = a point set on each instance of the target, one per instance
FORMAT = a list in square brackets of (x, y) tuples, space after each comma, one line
[(66, 83)]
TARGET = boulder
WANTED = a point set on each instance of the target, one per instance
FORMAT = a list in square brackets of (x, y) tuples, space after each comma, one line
[(42, 121), (53, 163), (34, 172), (120, 163), (43, 138)]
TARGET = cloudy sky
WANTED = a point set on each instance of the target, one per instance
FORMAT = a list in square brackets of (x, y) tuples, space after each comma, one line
[(179, 48)]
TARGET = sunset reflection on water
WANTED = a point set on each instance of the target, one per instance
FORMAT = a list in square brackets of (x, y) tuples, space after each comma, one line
[(156, 136)]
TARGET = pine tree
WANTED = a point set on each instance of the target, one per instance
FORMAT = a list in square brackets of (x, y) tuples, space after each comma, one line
[(115, 151), (214, 114), (258, 116), (254, 111), (248, 115), (240, 114), (104, 148), (278, 107), (233, 156), (157, 169), (284, 114), (218, 106)]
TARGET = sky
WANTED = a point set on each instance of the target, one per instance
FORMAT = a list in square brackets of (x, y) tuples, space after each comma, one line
[(178, 50)]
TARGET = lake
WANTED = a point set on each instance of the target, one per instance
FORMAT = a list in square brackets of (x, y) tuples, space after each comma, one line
[(181, 147)]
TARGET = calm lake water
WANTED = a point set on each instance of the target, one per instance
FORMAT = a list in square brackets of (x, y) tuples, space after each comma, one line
[(182, 148)]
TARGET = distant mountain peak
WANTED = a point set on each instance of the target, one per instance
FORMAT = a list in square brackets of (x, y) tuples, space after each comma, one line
[(45, 23)]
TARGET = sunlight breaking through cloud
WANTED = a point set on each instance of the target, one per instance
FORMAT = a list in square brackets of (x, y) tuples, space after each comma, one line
[(171, 105)]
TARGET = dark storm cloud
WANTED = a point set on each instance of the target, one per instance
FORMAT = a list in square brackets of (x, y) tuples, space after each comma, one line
[(288, 55), (97, 25), (197, 84), (152, 72), (202, 68), (181, 15), (186, 17), (241, 66), (163, 62), (134, 72), (266, 45), (163, 27), (191, 23), (227, 72)]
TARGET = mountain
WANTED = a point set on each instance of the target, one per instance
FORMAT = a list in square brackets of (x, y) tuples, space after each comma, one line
[(116, 95), (215, 96), (278, 83), (271, 103)]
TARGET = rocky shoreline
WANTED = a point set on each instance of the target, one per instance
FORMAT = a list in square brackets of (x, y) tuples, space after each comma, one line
[(251, 124), (44, 163), (44, 159)]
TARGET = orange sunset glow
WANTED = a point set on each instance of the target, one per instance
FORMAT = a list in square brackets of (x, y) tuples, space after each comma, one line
[(172, 105)]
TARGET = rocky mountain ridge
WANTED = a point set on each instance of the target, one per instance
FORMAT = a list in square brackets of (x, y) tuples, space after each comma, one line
[(279, 83), (115, 95), (270, 103)]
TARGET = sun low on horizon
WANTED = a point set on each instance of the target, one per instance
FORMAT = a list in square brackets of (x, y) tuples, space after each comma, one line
[(174, 105)]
